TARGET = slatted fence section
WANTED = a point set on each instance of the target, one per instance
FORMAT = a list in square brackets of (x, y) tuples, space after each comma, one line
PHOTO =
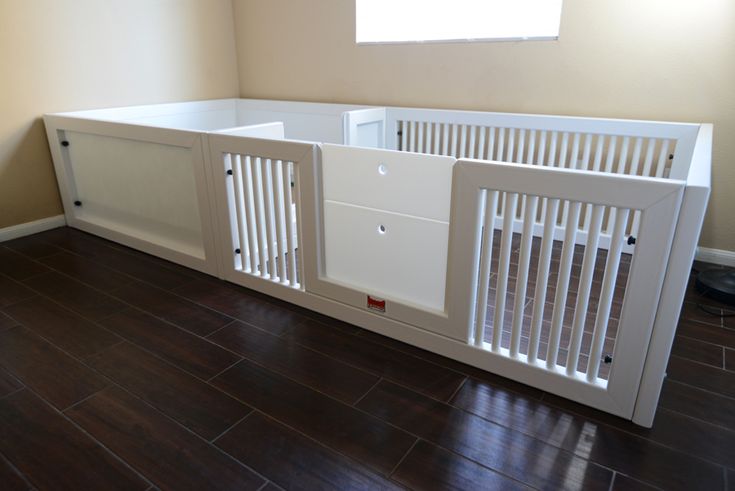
[(617, 154), (264, 216), (550, 300)]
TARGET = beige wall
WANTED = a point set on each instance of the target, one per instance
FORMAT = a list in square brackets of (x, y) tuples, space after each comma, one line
[(657, 59), (58, 55)]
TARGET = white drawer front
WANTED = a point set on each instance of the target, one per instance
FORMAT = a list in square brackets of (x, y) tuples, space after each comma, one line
[(392, 256), (400, 182)]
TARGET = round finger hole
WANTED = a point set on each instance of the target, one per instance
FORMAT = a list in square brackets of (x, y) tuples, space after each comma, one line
[(382, 169), (381, 229)]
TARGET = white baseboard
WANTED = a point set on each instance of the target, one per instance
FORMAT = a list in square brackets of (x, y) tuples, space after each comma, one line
[(30, 228), (716, 256)]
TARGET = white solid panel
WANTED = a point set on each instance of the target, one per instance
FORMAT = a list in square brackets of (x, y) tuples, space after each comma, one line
[(141, 189), (400, 182), (392, 256), (271, 131)]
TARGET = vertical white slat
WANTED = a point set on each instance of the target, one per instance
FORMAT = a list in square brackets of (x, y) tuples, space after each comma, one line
[(648, 161), (524, 262), (563, 151), (520, 158), (463, 142), (574, 156), (596, 168), (437, 138), (270, 216), (481, 143), (277, 174), (542, 279), (412, 137), (635, 160), (565, 158), (562, 284), (510, 145), (583, 292), (622, 164), (404, 136), (585, 164), (260, 215), (491, 204), (540, 161), (530, 158), (662, 158), (288, 171), (501, 287), (552, 162), (501, 145), (491, 143), (420, 131), (242, 223), (250, 197), (623, 157), (429, 137), (607, 294), (455, 141), (611, 153), (473, 141), (521, 147), (445, 139), (297, 201)]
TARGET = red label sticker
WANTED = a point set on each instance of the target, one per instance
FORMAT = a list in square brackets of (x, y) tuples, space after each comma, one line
[(375, 303)]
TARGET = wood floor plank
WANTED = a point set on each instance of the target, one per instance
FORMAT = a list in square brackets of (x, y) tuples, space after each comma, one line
[(193, 403), (696, 350), (697, 403), (430, 467), (142, 267), (501, 449), (6, 322), (62, 327), (730, 359), (18, 266), (690, 311), (86, 271), (454, 365), (12, 292), (10, 478), (706, 333), (706, 377), (697, 438), (187, 351), (51, 373), (293, 461), (32, 246), (236, 303), (425, 377), (340, 427), (75, 241), (165, 453), (172, 308), (8, 383), (53, 453), (660, 456), (625, 483), (296, 362), (82, 299)]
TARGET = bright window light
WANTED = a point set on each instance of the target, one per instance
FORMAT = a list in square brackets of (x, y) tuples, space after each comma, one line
[(407, 21)]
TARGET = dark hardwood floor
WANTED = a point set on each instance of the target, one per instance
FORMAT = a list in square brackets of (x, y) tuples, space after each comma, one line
[(123, 371)]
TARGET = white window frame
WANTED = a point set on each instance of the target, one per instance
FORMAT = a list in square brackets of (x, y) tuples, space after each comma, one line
[(452, 21)]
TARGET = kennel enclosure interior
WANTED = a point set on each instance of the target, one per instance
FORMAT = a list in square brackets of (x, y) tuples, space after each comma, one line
[(551, 250)]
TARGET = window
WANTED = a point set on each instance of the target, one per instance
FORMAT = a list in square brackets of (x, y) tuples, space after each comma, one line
[(409, 21)]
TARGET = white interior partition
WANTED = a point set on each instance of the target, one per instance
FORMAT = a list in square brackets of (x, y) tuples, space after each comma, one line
[(551, 250)]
